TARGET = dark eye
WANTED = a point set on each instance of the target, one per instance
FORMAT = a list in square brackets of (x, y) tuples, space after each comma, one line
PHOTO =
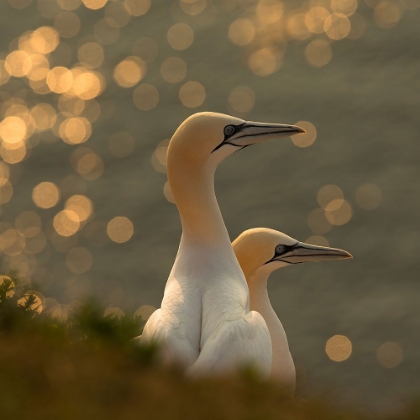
[(280, 249), (229, 130)]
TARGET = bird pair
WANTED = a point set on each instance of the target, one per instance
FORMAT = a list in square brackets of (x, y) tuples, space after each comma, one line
[(216, 314)]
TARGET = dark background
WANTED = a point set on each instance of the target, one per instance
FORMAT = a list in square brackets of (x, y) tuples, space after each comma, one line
[(364, 104)]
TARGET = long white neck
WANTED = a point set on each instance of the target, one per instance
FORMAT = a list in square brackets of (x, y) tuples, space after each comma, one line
[(283, 368), (193, 190)]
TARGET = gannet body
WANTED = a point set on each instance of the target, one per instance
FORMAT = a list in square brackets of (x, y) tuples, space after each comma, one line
[(204, 321), (260, 252)]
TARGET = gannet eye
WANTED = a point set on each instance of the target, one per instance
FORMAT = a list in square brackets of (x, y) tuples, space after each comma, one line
[(229, 130), (280, 249)]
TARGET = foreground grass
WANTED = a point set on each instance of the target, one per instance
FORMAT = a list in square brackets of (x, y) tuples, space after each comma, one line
[(86, 367)]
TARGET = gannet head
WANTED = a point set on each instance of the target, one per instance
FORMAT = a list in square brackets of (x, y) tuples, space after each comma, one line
[(267, 250), (209, 136)]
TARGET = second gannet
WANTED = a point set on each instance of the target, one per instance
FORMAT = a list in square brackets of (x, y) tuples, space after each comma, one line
[(260, 252), (204, 321)]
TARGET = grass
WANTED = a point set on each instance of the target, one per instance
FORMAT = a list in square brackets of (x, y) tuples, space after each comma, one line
[(86, 367)]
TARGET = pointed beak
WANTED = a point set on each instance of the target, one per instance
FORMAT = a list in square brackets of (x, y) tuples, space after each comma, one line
[(255, 132), (302, 252)]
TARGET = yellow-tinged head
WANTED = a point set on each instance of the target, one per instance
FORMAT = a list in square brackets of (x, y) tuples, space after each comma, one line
[(209, 136), (268, 249)]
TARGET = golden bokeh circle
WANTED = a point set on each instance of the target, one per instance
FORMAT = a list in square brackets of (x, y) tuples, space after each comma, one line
[(79, 260), (46, 195), (180, 36), (389, 355), (305, 139), (192, 94), (66, 223), (145, 97), (120, 229), (338, 348)]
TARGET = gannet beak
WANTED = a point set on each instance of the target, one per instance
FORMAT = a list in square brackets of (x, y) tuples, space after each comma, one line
[(251, 132), (302, 252), (255, 132)]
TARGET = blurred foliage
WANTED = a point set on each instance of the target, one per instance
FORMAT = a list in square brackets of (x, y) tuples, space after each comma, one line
[(86, 367)]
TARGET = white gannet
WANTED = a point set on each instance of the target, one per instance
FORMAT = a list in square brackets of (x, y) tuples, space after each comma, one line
[(204, 321), (261, 251)]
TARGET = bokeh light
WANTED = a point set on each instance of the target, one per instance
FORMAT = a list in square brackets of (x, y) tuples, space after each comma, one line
[(180, 36), (338, 348), (145, 97), (46, 195), (241, 99), (368, 196), (389, 355), (120, 229), (306, 139), (192, 94)]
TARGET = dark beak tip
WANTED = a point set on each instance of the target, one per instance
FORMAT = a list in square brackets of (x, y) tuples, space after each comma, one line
[(300, 130)]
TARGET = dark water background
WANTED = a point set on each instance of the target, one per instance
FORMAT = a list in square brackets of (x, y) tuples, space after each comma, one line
[(365, 105)]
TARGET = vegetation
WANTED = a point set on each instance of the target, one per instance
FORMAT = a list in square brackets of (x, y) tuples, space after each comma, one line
[(87, 367)]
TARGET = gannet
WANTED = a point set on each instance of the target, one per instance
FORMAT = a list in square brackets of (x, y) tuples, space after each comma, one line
[(204, 322), (260, 252)]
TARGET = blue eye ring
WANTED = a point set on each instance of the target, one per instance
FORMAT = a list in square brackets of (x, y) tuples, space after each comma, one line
[(229, 130), (280, 249)]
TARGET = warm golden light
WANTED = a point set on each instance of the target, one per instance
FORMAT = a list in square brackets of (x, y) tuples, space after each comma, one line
[(121, 144), (94, 4), (137, 7), (87, 85), (67, 24), (46, 195), (296, 27), (69, 4), (242, 99), (144, 311), (38, 301), (129, 72), (28, 223), (192, 94), (75, 130), (114, 312), (19, 63), (338, 212), (173, 70), (318, 240), (145, 97), (167, 192), (315, 19), (368, 196), (338, 348), (87, 163), (44, 40), (91, 55), (389, 355), (12, 242), (11, 292), (241, 31), (180, 36), (66, 223), (193, 7), (117, 15), (79, 260), (120, 229), (81, 205), (307, 139), (337, 26), (318, 53), (104, 33), (13, 130), (269, 11), (345, 7), (59, 79), (159, 156), (44, 116), (318, 223), (263, 62), (386, 14), (329, 193)]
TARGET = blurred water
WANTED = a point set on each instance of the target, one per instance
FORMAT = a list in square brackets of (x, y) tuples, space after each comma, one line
[(364, 104)]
